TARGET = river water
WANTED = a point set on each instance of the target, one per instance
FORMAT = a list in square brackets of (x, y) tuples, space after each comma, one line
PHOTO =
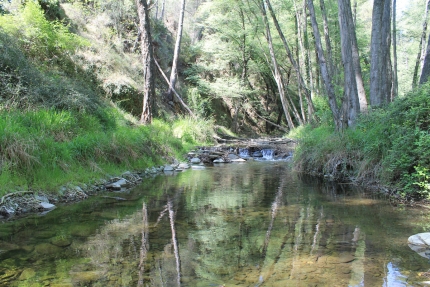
[(248, 224)]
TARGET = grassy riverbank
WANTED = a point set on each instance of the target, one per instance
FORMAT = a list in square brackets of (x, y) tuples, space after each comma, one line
[(45, 149), (389, 147), (63, 97)]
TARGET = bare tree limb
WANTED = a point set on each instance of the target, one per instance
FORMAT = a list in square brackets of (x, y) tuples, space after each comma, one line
[(174, 91)]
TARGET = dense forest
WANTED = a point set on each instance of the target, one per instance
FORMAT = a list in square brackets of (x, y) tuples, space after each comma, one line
[(93, 87)]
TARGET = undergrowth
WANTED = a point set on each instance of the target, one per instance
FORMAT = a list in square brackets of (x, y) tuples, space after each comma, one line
[(389, 147), (44, 149)]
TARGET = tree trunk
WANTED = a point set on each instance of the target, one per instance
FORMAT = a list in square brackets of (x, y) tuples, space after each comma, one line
[(356, 60), (354, 13), (327, 38), (395, 87), (162, 10), (311, 109), (327, 78), (388, 74), (174, 72), (276, 72), (350, 103), (147, 60), (380, 71), (426, 66), (421, 51), (307, 50)]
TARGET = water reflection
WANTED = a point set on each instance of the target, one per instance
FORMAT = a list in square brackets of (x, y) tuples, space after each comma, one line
[(253, 224), (394, 277)]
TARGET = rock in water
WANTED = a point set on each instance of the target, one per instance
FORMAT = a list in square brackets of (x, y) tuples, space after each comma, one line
[(232, 156), (420, 243), (47, 206)]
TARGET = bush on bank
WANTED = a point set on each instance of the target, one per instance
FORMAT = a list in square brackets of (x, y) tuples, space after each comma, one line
[(44, 149), (389, 146)]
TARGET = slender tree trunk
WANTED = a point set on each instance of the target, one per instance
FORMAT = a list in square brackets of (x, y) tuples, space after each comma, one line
[(327, 38), (307, 49), (356, 60), (426, 66), (386, 28), (174, 73), (421, 51), (244, 74), (162, 10), (147, 60), (311, 109), (395, 88), (354, 12), (350, 103), (277, 73), (380, 70), (300, 44), (327, 78)]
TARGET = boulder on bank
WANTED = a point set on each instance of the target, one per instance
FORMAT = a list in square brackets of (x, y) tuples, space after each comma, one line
[(118, 184), (195, 160), (183, 166), (168, 168), (47, 206), (420, 243)]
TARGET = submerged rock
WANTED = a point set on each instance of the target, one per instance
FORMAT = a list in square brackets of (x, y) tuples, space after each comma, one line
[(257, 154), (61, 241), (27, 274), (232, 156)]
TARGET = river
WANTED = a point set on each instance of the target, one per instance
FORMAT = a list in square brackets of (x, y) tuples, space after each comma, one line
[(242, 224)]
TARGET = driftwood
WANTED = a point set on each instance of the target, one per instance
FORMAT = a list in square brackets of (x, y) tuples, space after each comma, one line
[(272, 123), (13, 194), (174, 91)]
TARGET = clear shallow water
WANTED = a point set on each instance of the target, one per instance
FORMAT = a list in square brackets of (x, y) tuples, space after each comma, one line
[(251, 224)]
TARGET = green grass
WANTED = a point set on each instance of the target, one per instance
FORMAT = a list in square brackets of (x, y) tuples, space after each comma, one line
[(390, 147), (44, 149)]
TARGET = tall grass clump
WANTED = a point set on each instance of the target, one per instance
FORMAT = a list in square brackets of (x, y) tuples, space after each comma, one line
[(389, 146), (194, 131)]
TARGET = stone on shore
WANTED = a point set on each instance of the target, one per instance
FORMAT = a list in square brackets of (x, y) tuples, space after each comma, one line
[(47, 205), (420, 243), (168, 168)]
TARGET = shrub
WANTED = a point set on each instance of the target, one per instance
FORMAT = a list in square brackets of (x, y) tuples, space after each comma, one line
[(389, 146), (40, 38)]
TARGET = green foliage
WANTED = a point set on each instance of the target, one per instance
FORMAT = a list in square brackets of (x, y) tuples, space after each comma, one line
[(389, 146), (193, 131), (40, 38)]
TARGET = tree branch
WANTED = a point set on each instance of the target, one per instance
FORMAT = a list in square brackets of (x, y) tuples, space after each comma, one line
[(174, 91)]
